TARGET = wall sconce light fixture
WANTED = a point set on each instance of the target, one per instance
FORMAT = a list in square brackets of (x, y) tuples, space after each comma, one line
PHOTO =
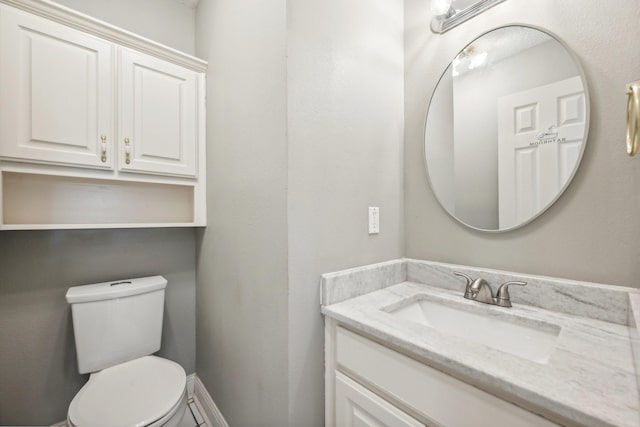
[(445, 16), (468, 60)]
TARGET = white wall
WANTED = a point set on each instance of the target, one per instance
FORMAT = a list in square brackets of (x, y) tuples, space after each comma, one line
[(345, 108), (165, 21), (591, 232)]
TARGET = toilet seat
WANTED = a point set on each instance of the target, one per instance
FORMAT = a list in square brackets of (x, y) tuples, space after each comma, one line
[(138, 393)]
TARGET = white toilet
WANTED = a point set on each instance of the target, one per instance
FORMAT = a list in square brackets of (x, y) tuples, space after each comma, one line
[(117, 326)]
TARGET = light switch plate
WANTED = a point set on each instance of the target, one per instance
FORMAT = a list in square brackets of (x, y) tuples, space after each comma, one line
[(374, 220)]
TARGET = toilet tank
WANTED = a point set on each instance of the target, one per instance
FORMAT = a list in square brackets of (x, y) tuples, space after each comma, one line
[(114, 322)]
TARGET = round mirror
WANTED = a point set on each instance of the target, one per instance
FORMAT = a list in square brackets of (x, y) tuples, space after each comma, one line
[(506, 128)]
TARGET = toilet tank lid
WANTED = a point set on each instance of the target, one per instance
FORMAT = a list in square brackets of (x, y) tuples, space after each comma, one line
[(115, 289)]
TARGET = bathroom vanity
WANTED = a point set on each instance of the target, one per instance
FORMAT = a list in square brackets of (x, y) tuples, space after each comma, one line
[(404, 348)]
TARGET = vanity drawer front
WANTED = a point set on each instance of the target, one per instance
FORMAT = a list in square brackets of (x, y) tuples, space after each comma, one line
[(439, 398)]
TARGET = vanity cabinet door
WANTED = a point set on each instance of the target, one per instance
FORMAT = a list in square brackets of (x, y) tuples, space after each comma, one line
[(56, 102), (157, 116), (358, 407)]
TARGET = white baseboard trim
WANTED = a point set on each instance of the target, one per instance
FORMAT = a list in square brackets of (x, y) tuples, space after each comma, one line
[(212, 414), (60, 424), (190, 385)]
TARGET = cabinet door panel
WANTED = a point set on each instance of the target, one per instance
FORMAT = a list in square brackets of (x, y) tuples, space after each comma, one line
[(57, 97), (358, 407), (157, 116)]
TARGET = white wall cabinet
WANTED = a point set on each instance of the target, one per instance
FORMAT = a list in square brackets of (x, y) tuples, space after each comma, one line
[(368, 384), (157, 116), (56, 102), (94, 119)]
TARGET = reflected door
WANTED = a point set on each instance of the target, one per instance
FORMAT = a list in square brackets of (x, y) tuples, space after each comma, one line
[(540, 133)]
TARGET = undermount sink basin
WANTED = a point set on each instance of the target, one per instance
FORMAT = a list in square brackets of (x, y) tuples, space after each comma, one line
[(530, 339)]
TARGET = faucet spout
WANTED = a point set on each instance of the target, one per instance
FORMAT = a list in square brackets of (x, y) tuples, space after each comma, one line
[(480, 291)]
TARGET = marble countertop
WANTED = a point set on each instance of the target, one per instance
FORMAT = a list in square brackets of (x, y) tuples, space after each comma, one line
[(589, 379)]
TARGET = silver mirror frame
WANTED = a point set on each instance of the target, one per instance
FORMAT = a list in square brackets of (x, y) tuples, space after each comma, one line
[(443, 24), (580, 156)]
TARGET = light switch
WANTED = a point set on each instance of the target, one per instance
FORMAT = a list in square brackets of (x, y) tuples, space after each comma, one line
[(374, 220)]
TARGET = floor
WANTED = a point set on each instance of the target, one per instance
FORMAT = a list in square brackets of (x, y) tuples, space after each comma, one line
[(192, 416)]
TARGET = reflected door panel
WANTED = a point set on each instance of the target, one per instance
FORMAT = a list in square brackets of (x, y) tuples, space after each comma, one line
[(540, 134)]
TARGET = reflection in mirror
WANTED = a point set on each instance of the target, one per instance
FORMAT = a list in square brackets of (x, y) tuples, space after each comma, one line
[(506, 128)]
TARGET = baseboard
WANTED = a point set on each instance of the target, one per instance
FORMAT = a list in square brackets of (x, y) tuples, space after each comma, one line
[(60, 424), (190, 385), (212, 414)]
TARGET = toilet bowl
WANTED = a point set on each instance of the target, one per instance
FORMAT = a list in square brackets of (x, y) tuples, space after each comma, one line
[(117, 326), (144, 392)]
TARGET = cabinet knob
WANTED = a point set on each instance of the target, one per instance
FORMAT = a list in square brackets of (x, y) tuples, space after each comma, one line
[(103, 148), (127, 151)]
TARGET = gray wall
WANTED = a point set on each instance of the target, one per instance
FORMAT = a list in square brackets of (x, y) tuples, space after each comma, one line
[(591, 232), (38, 372), (165, 21), (242, 317), (305, 127), (345, 103)]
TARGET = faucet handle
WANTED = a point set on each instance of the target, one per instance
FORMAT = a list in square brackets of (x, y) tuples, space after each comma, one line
[(503, 298), (469, 279)]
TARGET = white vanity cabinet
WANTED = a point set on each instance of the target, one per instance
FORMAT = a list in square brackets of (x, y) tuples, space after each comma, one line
[(369, 384), (99, 127), (56, 102), (358, 407)]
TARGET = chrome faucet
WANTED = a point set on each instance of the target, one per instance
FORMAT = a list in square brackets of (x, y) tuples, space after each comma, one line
[(480, 290)]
